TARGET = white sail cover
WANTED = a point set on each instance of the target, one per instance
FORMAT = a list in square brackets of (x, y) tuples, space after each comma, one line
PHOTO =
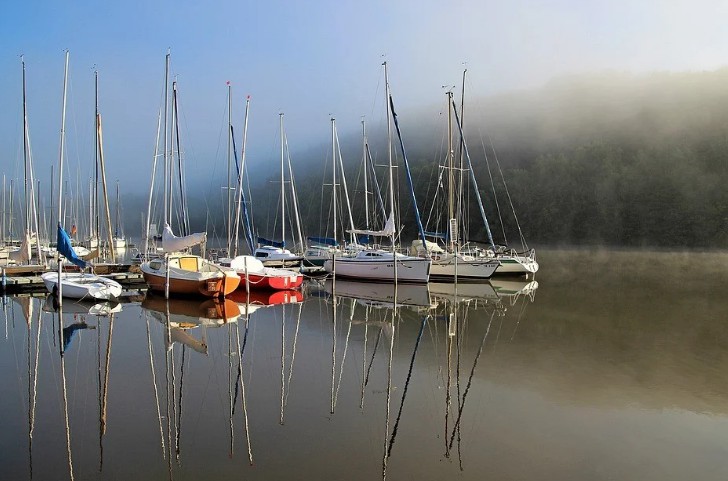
[(172, 243), (388, 230), (23, 254)]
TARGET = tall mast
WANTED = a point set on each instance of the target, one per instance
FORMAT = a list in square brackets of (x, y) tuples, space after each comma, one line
[(333, 165), (229, 160), (283, 192), (452, 227), (389, 147), (343, 182), (239, 195), (25, 153), (151, 187), (116, 227), (461, 193), (366, 168), (96, 228), (59, 284), (166, 141), (103, 185), (4, 213)]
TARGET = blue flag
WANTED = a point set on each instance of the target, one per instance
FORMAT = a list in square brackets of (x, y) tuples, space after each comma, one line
[(66, 249)]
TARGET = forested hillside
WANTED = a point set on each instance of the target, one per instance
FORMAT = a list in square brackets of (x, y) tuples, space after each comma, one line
[(611, 159)]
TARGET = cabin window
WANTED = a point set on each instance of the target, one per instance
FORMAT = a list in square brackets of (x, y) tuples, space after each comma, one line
[(155, 265), (261, 254)]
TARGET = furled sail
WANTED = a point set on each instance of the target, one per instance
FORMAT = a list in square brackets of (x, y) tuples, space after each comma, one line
[(172, 243), (386, 232)]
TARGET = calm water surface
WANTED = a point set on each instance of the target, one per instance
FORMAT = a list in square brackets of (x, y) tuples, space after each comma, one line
[(611, 367)]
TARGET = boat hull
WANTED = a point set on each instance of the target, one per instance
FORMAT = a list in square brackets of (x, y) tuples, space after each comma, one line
[(183, 282), (450, 268), (516, 265), (411, 269), (270, 282), (82, 286)]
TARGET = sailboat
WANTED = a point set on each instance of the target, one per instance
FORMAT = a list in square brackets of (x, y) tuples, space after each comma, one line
[(77, 285), (274, 253), (452, 264), (251, 270), (511, 261), (181, 272), (22, 256), (378, 264), (323, 249)]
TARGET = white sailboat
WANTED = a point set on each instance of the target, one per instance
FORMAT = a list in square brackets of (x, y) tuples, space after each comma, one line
[(452, 264), (73, 284), (378, 264), (512, 262), (30, 246)]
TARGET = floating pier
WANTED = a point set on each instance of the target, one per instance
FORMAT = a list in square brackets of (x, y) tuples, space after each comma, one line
[(14, 284)]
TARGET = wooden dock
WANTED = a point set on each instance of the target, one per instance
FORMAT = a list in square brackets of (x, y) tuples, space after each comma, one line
[(15, 284)]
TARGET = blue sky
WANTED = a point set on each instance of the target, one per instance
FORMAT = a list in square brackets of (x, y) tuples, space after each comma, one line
[(308, 60)]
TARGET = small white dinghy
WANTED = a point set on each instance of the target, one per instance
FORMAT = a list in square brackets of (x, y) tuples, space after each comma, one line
[(78, 285)]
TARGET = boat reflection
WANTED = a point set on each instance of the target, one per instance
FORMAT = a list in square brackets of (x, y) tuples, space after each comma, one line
[(514, 288), (249, 302), (458, 320), (377, 294), (78, 306), (190, 313)]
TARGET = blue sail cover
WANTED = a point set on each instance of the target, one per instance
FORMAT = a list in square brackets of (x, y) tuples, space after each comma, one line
[(267, 242), (439, 235), (66, 249), (327, 241), (362, 239)]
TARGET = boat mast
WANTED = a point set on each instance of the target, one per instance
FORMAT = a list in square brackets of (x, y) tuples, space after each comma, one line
[(389, 148), (366, 168), (294, 198), (116, 227), (96, 229), (283, 197), (166, 141), (333, 165), (31, 213), (452, 222), (343, 181), (461, 190), (25, 152), (109, 232), (229, 160), (240, 195), (59, 284), (151, 187)]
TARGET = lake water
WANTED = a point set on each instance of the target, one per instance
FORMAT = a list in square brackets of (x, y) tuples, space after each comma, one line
[(612, 367)]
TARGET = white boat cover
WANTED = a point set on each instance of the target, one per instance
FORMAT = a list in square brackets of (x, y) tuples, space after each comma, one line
[(431, 248), (240, 263), (172, 243), (23, 254), (388, 230)]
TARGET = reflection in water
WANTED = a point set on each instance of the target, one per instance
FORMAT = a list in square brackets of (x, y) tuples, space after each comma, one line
[(619, 377)]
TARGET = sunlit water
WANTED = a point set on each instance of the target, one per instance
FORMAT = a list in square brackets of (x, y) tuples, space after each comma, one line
[(612, 368)]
